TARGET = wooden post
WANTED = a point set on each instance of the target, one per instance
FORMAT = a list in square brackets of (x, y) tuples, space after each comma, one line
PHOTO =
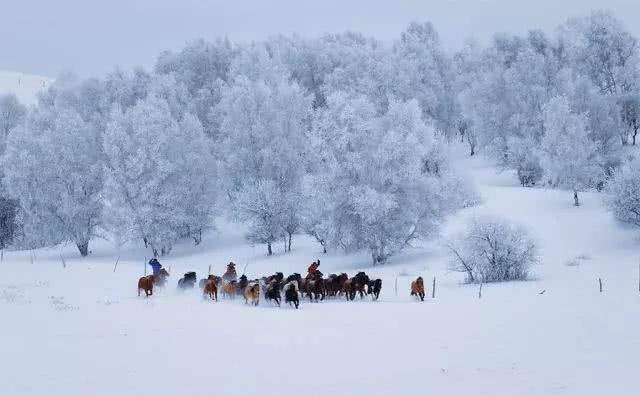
[(116, 264), (396, 286), (433, 288), (600, 282), (480, 291)]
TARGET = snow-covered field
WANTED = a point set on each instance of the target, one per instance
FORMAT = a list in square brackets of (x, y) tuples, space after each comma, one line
[(82, 330), (24, 86)]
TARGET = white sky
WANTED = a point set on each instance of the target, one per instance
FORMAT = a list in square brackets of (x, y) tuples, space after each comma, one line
[(92, 37)]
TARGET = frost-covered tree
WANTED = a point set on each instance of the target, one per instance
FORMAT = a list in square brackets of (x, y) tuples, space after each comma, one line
[(361, 66), (599, 47), (630, 107), (12, 113), (160, 175), (570, 157), (262, 141), (203, 68), (125, 89), (384, 191), (623, 189), (424, 72), (604, 124), (53, 167), (504, 93), (8, 225), (492, 249)]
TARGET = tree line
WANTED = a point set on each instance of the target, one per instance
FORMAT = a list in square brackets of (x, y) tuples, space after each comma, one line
[(341, 137)]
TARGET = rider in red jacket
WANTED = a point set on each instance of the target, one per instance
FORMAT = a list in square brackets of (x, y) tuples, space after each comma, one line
[(313, 268)]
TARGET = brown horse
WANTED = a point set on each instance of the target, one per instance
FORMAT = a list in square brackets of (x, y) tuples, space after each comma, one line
[(417, 288), (203, 282), (211, 289), (334, 284), (252, 294), (313, 286), (229, 289), (146, 283), (348, 288)]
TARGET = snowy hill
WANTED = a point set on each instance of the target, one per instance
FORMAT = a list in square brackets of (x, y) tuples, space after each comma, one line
[(25, 86), (76, 326)]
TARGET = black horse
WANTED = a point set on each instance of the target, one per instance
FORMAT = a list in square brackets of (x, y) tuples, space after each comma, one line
[(278, 277), (273, 292), (293, 277), (374, 288), (291, 293), (356, 285), (188, 281), (242, 284)]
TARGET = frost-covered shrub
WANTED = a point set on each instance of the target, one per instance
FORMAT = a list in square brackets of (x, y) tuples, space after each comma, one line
[(530, 172), (493, 250), (624, 193)]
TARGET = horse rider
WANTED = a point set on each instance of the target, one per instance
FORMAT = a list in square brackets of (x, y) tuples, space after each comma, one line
[(313, 269), (230, 274), (155, 266)]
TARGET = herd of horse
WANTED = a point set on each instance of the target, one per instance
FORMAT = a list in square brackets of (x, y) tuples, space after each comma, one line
[(274, 287)]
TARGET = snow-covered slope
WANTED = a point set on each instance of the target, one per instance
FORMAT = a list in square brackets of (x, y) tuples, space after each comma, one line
[(25, 86), (80, 328)]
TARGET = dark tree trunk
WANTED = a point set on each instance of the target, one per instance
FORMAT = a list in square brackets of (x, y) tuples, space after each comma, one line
[(576, 201), (289, 242), (83, 247), (635, 133), (473, 151), (269, 251)]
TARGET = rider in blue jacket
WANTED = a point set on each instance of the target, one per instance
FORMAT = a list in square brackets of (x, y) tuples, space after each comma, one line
[(155, 265)]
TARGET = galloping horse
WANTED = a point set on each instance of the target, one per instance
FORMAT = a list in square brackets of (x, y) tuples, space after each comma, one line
[(417, 288), (211, 289), (146, 283)]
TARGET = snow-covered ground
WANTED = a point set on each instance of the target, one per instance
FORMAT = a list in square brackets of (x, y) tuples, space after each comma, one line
[(24, 86), (80, 329)]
